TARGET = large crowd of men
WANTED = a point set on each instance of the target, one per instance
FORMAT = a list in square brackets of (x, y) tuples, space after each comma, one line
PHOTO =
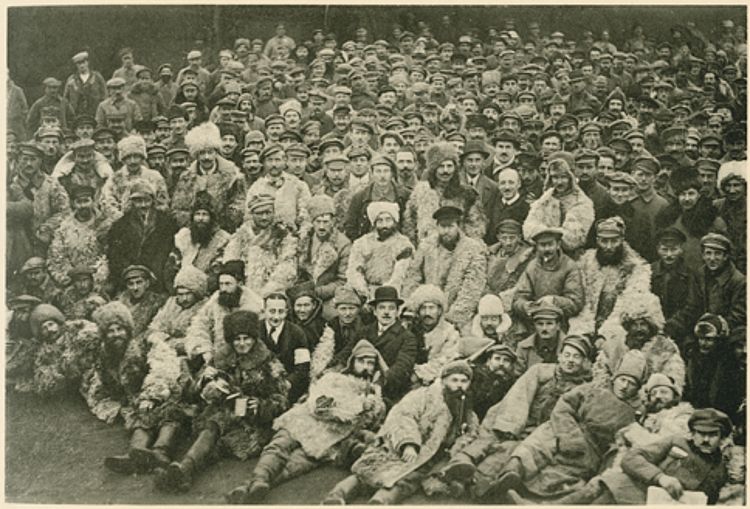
[(500, 266)]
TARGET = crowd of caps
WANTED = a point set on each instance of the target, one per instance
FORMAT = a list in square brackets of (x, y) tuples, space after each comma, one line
[(220, 258)]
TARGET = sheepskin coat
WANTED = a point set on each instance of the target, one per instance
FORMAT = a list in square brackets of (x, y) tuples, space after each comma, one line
[(337, 406), (424, 201), (171, 323), (225, 184), (617, 285), (144, 310), (461, 274), (423, 419), (74, 244), (326, 266), (270, 256), (116, 190), (42, 203), (574, 213), (206, 330), (441, 345), (162, 385), (290, 199), (503, 272), (563, 282), (373, 263), (201, 257)]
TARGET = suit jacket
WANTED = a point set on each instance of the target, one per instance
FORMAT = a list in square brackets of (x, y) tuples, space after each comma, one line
[(499, 212), (676, 290), (489, 193), (294, 353)]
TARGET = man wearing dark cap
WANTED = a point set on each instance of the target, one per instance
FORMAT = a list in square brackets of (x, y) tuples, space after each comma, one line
[(140, 296), (508, 258), (662, 464), (493, 375), (79, 240), (473, 159), (165, 85), (708, 170), (80, 299), (453, 262), (648, 201), (84, 89), (117, 104), (586, 171), (506, 146), (527, 405), (146, 94), (51, 97)]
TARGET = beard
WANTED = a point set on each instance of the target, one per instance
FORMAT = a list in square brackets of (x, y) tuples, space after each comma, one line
[(636, 340), (385, 233), (84, 214), (455, 399), (448, 243), (610, 258), (230, 300), (201, 233), (655, 406)]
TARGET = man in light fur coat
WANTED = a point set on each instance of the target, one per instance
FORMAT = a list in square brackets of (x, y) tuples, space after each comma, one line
[(613, 275), (382, 256), (416, 440), (332, 423), (563, 205), (211, 173), (491, 321), (267, 247), (453, 262), (201, 243), (640, 327), (439, 339), (290, 193), (323, 252)]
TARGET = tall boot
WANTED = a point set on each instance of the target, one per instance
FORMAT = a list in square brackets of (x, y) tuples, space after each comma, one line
[(343, 491), (511, 477), (255, 490), (178, 476), (584, 496), (123, 463), (388, 496), (159, 454)]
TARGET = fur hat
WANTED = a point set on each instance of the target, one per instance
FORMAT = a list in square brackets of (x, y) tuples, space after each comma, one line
[(427, 293), (234, 268), (634, 365), (131, 145), (439, 152), (320, 204), (647, 306), (141, 187), (41, 314), (711, 323), (203, 137), (204, 201), (685, 178), (662, 380), (113, 312), (193, 279), (240, 322), (461, 367)]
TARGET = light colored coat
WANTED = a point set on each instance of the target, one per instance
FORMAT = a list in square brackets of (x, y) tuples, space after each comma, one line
[(442, 345), (74, 244), (202, 258), (290, 204), (373, 263), (116, 190)]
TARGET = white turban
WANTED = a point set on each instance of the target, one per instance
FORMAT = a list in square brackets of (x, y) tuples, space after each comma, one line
[(491, 305), (376, 208)]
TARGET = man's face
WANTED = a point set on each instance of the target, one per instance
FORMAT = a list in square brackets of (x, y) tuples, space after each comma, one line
[(569, 132), (571, 360), (274, 164), (304, 307), (83, 284), (489, 324), (669, 252), (585, 170), (84, 132), (323, 226), (550, 145), (644, 180), (429, 314), (29, 165), (708, 180), (715, 259), (178, 163), (116, 92), (142, 204), (560, 179), (207, 158), (137, 286), (228, 144), (265, 91), (624, 387), (83, 207), (509, 183), (184, 297), (51, 145), (707, 442), (243, 343), (177, 125), (386, 313), (609, 246), (365, 366), (347, 313), (385, 226), (638, 332), (606, 165), (674, 146), (156, 161), (546, 328), (504, 151), (296, 165), (500, 364), (547, 248), (660, 398), (709, 149), (445, 171), (337, 173), (734, 190), (116, 337), (457, 383), (82, 67), (688, 199), (275, 310), (342, 121), (262, 217), (473, 163), (620, 192)]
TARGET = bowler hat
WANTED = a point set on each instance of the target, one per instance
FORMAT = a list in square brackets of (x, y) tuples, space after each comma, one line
[(385, 294)]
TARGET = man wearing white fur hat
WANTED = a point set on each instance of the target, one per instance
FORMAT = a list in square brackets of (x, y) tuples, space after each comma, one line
[(491, 320), (212, 173), (117, 189), (382, 256)]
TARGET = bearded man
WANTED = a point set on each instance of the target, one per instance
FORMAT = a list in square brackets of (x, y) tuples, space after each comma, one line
[(613, 275), (201, 244)]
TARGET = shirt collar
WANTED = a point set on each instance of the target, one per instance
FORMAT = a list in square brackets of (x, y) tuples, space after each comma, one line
[(511, 202)]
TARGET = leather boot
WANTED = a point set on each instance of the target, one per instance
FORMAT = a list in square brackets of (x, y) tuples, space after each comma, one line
[(387, 496), (255, 490), (123, 463), (511, 477), (158, 456), (343, 491), (461, 470), (178, 476), (583, 496)]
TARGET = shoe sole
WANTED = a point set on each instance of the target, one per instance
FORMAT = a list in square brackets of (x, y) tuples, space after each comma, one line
[(460, 472), (507, 482), (237, 496), (144, 460), (120, 465), (256, 495)]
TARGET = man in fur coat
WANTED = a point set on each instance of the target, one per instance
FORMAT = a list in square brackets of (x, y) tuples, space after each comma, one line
[(201, 243), (613, 275), (640, 327), (493, 375), (418, 436), (81, 297), (34, 280), (143, 236), (438, 339), (213, 174), (80, 238), (140, 297), (118, 189), (453, 262), (491, 321), (206, 330), (569, 449), (340, 412), (290, 193), (382, 256), (323, 252), (507, 259), (266, 246), (527, 405), (562, 205)]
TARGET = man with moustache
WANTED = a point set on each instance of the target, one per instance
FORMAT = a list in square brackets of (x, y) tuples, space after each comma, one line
[(452, 261), (206, 332), (177, 162), (382, 256), (586, 172), (472, 161), (140, 297), (732, 209), (493, 375), (201, 243), (507, 259), (510, 204), (80, 238)]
